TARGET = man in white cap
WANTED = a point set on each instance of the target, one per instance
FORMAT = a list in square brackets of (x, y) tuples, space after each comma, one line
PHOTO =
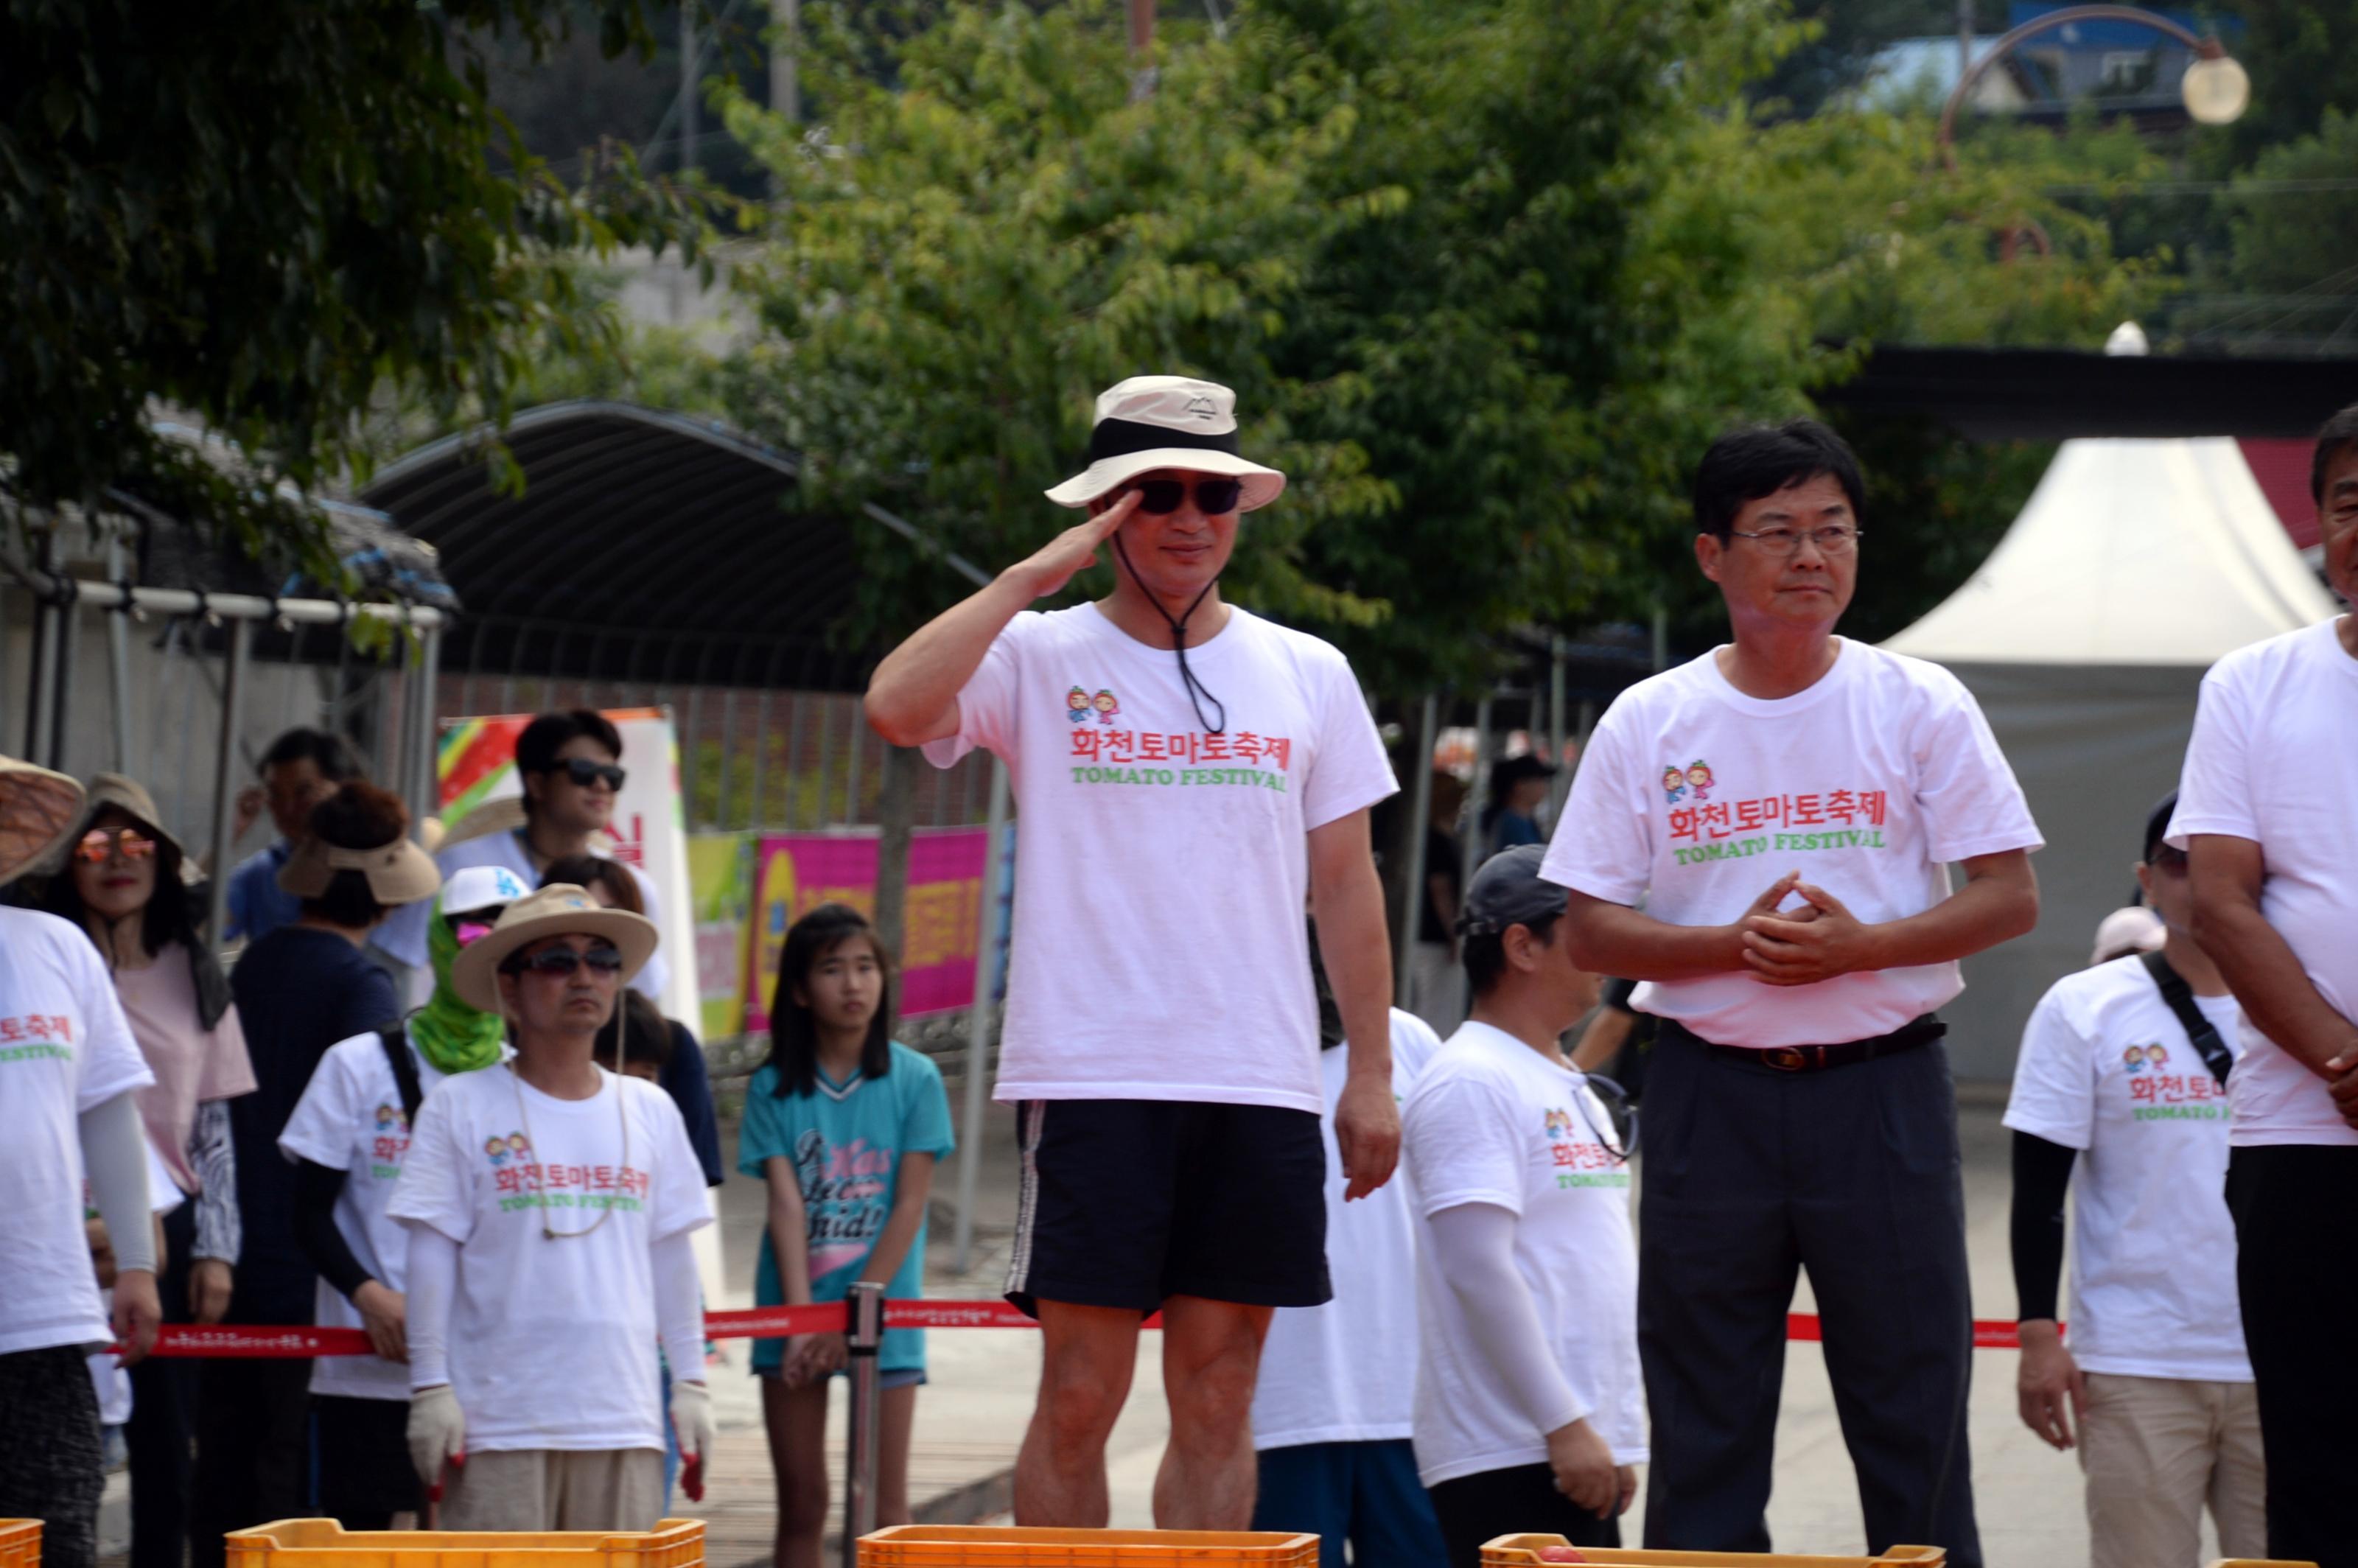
[(549, 1203), (1191, 774), (68, 1067)]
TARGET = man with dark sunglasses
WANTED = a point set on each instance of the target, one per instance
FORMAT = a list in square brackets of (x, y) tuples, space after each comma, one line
[(1530, 1404), (570, 765), (2124, 1074), (1194, 774)]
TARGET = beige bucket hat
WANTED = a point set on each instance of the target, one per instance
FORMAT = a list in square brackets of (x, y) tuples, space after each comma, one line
[(1152, 422), (129, 796), (39, 809), (560, 909)]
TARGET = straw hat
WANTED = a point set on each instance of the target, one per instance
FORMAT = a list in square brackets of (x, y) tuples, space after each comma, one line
[(399, 873), (39, 810), (560, 909)]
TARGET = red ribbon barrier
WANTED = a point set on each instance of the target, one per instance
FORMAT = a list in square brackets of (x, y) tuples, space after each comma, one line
[(182, 1339)]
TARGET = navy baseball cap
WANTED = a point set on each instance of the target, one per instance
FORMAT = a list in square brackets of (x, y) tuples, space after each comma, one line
[(1509, 890)]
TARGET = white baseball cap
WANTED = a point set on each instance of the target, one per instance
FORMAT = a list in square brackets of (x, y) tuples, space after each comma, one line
[(481, 887), (2131, 930), (1152, 422)]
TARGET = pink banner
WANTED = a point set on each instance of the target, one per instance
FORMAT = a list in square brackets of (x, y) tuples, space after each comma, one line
[(795, 872)]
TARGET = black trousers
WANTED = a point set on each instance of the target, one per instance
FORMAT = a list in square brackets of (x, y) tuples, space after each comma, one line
[(161, 1433), (2295, 1272), (365, 1475), (253, 1451), (1751, 1175), (51, 1467), (1521, 1501)]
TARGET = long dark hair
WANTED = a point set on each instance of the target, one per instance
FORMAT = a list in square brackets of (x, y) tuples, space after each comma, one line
[(794, 1033)]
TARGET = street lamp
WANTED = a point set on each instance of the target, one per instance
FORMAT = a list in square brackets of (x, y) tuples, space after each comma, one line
[(2215, 90)]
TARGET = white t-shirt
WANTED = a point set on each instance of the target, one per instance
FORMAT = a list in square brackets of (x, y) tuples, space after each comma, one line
[(1867, 783), (349, 1120), (403, 935), (2153, 1247), (2270, 762), (1492, 1122), (1159, 945), (65, 1048), (1344, 1372), (552, 1342)]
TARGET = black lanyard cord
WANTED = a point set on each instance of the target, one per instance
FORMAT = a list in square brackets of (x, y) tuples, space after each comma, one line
[(1197, 693)]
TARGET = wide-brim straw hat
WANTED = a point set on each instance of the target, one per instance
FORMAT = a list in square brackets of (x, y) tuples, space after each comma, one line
[(1152, 422), (399, 873), (38, 811), (129, 796), (560, 909)]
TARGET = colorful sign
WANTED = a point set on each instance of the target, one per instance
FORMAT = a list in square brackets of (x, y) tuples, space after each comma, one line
[(795, 872), (719, 875)]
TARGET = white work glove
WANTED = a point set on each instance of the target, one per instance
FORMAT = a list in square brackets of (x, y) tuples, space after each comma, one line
[(438, 1432), (691, 1423)]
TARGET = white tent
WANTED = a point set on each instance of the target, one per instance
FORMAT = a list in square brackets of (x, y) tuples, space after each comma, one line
[(2134, 567)]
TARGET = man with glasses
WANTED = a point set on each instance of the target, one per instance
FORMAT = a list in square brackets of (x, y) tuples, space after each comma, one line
[(2123, 1072), (570, 763), (1193, 776), (1529, 1405), (1801, 1101), (549, 1204)]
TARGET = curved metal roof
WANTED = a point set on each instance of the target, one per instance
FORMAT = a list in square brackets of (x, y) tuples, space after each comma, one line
[(646, 547)]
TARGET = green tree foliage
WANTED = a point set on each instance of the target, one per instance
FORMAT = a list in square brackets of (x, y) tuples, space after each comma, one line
[(2290, 279), (265, 218)]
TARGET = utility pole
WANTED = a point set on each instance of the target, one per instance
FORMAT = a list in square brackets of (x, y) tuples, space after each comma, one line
[(1141, 50), (687, 74)]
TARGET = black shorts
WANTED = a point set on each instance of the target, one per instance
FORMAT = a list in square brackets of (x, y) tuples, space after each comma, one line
[(1127, 1202)]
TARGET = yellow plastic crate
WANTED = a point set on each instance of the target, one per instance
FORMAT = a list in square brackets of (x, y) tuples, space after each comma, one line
[(324, 1543), (1523, 1551), (2259, 1562), (981, 1546), (21, 1543)]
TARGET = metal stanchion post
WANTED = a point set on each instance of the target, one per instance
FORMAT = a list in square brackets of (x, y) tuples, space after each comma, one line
[(864, 1330)]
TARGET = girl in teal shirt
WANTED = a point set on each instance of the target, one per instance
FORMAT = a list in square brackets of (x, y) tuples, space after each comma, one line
[(844, 1124)]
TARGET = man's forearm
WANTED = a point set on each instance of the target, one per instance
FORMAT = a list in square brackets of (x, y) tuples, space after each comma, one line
[(1981, 914), (917, 682), (1610, 939), (2274, 990), (1350, 904)]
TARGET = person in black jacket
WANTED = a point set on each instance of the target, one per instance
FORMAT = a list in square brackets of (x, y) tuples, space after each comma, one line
[(299, 989)]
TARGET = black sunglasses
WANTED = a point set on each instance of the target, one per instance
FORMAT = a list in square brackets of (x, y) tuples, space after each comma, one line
[(601, 959), (1213, 496), (585, 773)]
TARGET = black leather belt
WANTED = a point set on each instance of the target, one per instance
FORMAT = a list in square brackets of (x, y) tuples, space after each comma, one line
[(1824, 1058)]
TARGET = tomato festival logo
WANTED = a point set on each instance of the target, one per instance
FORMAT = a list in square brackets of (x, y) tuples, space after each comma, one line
[(392, 1141), (2156, 1093), (36, 1036), (1102, 754), (1705, 829), (1579, 1162)]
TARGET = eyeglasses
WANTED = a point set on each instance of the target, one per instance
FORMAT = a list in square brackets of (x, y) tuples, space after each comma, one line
[(470, 932), (561, 961), (1833, 539), (1213, 496), (1619, 1140), (100, 842), (585, 773)]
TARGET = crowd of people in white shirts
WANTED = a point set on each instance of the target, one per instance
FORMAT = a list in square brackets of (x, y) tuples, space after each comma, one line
[(1789, 843)]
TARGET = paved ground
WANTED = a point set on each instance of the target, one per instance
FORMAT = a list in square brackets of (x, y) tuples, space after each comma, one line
[(971, 1415)]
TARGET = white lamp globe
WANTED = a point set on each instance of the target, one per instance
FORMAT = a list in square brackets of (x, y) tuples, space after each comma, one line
[(2215, 90)]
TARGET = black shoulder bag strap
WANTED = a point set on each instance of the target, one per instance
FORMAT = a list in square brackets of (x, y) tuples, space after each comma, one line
[(396, 1038), (2180, 998)]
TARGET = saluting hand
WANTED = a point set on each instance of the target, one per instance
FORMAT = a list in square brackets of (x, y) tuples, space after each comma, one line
[(1056, 563), (1807, 946)]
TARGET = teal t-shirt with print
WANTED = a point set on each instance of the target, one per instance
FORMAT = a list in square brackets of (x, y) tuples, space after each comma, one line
[(845, 1142)]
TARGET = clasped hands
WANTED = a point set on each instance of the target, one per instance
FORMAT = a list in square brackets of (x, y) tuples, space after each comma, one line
[(1801, 946), (2342, 1074)]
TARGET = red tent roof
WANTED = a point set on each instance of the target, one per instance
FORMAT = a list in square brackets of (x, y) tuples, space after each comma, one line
[(2282, 468)]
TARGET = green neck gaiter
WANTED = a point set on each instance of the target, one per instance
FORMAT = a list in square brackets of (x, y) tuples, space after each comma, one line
[(451, 1035)]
